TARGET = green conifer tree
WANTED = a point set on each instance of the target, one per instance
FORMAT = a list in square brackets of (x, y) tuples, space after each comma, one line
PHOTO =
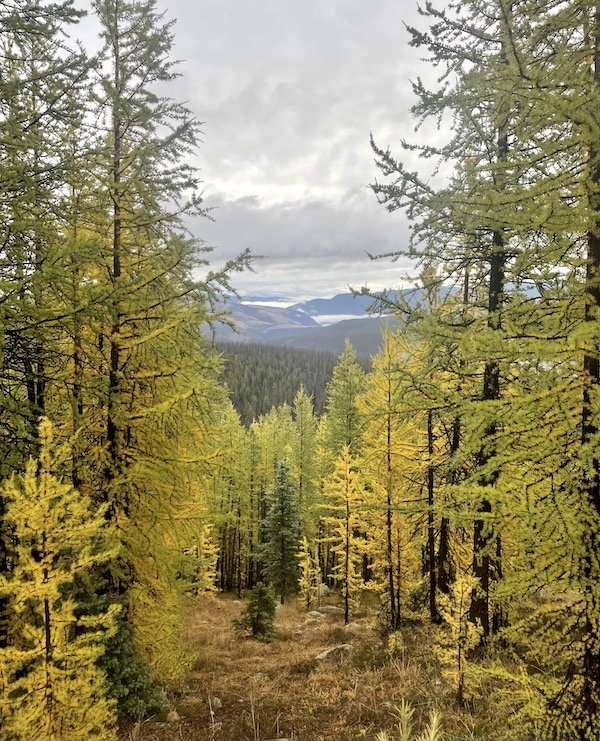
[(281, 532)]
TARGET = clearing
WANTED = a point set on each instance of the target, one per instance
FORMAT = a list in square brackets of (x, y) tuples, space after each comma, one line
[(240, 689)]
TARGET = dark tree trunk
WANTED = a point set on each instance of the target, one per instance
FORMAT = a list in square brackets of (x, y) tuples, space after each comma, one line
[(590, 695), (433, 610)]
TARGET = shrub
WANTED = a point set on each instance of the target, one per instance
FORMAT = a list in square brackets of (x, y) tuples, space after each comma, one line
[(258, 618)]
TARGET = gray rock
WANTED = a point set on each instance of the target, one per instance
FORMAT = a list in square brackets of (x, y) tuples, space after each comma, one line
[(335, 652), (323, 590), (330, 610), (356, 627), (314, 615)]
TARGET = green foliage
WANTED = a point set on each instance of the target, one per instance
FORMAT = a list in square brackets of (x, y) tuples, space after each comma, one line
[(260, 377), (258, 617), (129, 682), (281, 534)]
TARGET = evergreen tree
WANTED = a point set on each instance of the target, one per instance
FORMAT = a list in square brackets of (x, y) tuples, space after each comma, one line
[(259, 615), (281, 528)]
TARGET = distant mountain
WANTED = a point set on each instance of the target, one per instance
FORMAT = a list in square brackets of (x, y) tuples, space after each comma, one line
[(342, 304), (257, 322), (364, 334), (321, 323)]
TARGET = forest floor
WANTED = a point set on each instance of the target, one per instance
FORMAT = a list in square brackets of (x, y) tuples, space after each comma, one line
[(241, 689)]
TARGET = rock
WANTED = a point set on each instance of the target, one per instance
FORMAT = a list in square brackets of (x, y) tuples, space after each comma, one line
[(356, 627), (323, 590), (173, 717), (335, 652), (330, 610), (314, 615), (216, 703)]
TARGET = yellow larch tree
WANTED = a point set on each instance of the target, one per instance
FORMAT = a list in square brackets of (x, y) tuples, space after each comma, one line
[(51, 687)]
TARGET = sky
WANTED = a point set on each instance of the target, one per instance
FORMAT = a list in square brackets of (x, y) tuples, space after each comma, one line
[(288, 92)]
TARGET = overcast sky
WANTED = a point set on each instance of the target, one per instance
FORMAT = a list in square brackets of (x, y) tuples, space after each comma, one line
[(288, 91)]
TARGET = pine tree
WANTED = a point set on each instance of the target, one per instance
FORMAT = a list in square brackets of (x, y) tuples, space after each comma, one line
[(281, 528), (259, 615), (51, 685)]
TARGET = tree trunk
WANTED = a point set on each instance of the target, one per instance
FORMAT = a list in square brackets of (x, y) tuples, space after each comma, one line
[(433, 611), (590, 695)]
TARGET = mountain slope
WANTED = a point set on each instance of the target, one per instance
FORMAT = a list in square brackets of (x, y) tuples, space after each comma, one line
[(364, 334), (260, 376)]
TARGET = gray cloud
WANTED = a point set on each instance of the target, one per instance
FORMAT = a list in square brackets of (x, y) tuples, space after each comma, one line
[(289, 91), (313, 247)]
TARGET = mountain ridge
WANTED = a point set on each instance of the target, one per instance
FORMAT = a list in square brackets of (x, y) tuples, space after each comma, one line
[(318, 323)]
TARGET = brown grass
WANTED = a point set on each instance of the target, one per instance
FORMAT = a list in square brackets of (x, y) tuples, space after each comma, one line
[(243, 690)]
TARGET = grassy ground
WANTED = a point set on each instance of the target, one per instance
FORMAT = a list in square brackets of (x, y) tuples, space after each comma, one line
[(243, 690)]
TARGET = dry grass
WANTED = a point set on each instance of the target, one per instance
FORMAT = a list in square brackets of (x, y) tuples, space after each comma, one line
[(244, 690)]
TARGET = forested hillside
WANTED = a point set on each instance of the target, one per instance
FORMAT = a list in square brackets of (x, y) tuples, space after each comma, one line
[(259, 377), (429, 522)]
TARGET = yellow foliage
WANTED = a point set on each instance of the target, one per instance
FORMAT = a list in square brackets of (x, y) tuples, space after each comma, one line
[(50, 685)]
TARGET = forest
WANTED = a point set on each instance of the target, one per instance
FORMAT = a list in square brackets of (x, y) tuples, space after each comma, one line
[(168, 564)]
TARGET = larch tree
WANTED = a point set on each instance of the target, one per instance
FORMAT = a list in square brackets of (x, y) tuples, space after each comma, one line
[(50, 683), (155, 378), (390, 449), (525, 150), (302, 459), (343, 505), (41, 87), (343, 423)]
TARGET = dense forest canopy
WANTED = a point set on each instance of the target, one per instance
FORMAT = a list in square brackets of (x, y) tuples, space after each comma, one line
[(451, 485), (259, 377)]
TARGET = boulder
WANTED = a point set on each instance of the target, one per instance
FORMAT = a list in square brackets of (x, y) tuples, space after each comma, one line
[(330, 610), (323, 590), (356, 627), (335, 652)]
